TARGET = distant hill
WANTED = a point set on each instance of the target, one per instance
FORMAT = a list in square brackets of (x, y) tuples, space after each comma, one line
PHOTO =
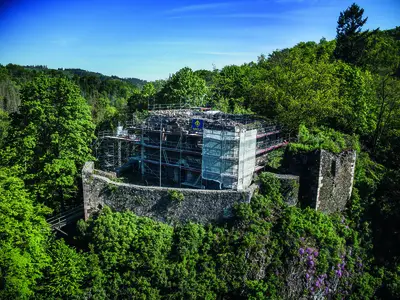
[(103, 93), (135, 81), (83, 73)]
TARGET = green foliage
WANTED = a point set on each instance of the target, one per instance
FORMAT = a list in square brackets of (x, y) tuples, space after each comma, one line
[(323, 138), (184, 87), (176, 196), (382, 55), (107, 96), (148, 90), (136, 257), (139, 101), (112, 188), (386, 136), (101, 109), (23, 238), (385, 214), (9, 92), (207, 75), (275, 159), (351, 41), (64, 276), (4, 125), (368, 174), (133, 252), (232, 86), (393, 283), (357, 101), (298, 85), (192, 265), (49, 138), (332, 92), (365, 286)]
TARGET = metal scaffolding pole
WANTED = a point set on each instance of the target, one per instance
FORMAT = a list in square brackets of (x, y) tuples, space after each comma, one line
[(119, 154), (142, 153), (180, 159), (160, 147)]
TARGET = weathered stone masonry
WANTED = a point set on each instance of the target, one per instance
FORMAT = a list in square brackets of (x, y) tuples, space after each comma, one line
[(326, 179), (201, 206), (322, 180), (336, 174)]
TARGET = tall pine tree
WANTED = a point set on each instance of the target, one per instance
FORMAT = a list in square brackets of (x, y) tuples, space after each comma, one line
[(350, 40)]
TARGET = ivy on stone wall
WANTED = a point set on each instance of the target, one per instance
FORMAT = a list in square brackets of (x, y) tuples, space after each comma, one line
[(269, 250), (323, 138)]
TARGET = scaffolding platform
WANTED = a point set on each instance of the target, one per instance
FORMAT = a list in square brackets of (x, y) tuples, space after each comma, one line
[(191, 147)]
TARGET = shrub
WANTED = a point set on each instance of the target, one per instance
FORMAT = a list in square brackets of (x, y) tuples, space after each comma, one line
[(324, 138), (176, 196)]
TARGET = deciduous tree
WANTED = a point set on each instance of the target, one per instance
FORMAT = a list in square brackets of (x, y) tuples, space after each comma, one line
[(184, 87), (50, 139), (23, 238)]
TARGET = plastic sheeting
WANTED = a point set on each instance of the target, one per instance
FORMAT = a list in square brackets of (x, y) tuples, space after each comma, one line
[(247, 158), (229, 157)]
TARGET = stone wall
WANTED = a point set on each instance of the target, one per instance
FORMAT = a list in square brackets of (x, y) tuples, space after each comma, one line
[(290, 185), (306, 166), (200, 206), (326, 179), (336, 175), (321, 180)]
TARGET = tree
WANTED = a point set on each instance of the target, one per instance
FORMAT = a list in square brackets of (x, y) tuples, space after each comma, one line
[(207, 75), (232, 86), (9, 94), (50, 139), (141, 99), (63, 278), (133, 253), (99, 104), (357, 103), (351, 42), (383, 53), (388, 112), (148, 90), (23, 238), (4, 124), (184, 87), (325, 50), (296, 88)]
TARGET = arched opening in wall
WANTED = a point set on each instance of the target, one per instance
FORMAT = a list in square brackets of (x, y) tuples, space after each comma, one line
[(333, 168)]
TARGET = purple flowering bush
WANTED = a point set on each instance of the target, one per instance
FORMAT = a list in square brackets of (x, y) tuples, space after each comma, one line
[(323, 256), (302, 253)]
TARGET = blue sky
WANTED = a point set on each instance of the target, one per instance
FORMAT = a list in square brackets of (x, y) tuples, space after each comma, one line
[(152, 39)]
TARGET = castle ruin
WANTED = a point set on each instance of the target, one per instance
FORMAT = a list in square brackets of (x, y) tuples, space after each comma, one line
[(211, 159)]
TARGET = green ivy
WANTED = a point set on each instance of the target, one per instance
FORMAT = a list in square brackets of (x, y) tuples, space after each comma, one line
[(176, 196), (323, 138)]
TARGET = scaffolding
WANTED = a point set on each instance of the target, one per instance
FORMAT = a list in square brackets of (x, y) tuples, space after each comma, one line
[(191, 148), (171, 151), (220, 157), (114, 150)]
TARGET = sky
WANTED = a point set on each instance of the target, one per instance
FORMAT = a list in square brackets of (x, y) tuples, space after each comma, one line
[(152, 39)]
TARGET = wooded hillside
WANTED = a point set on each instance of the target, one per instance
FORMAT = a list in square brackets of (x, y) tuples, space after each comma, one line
[(323, 92)]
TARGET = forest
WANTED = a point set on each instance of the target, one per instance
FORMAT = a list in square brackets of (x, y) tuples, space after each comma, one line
[(321, 92)]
